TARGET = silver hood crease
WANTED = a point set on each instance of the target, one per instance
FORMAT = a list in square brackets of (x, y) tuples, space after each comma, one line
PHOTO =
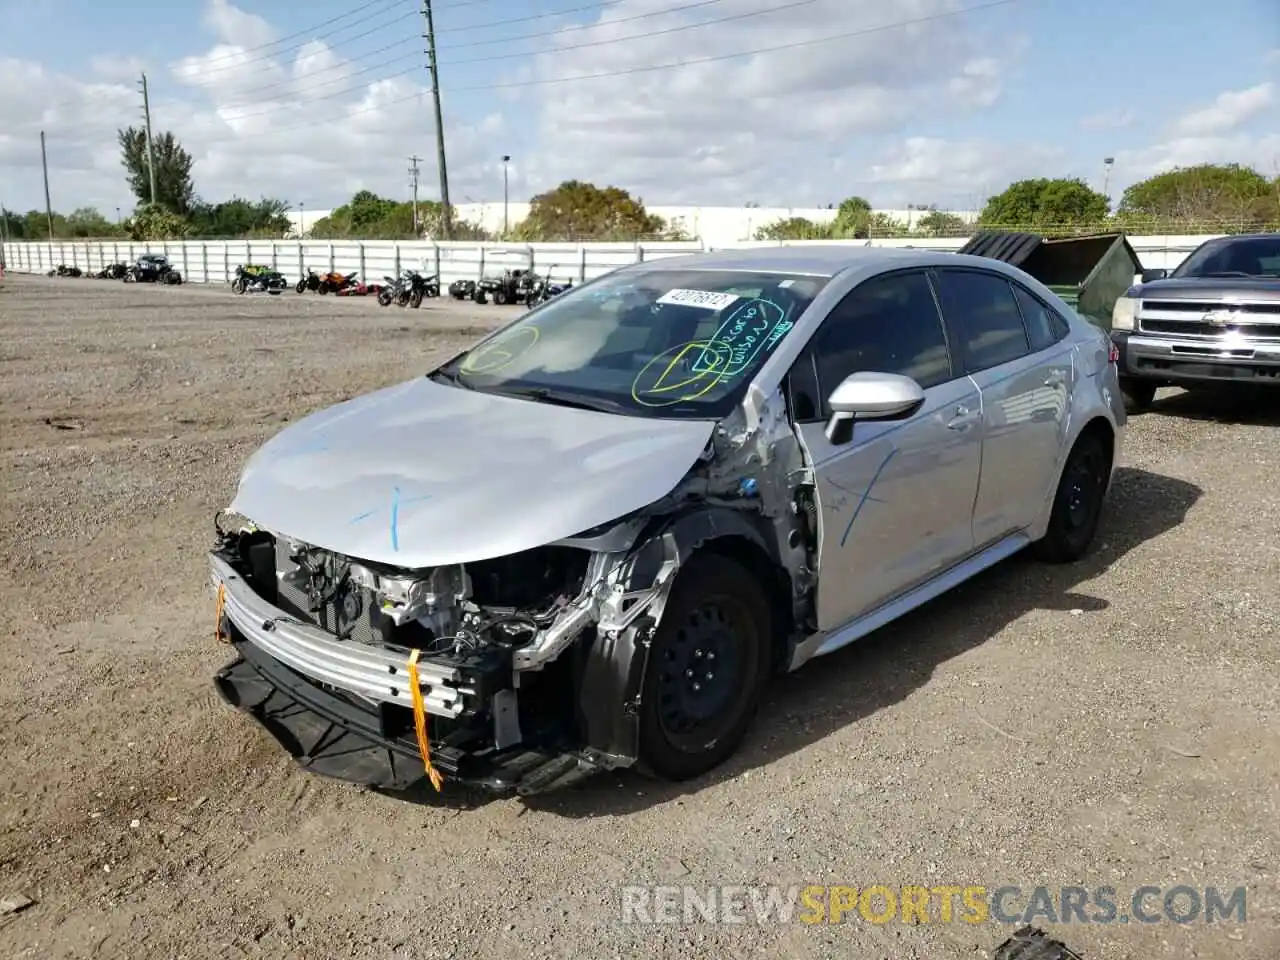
[(424, 474)]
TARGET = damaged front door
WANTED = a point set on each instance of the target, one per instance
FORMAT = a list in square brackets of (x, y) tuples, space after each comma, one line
[(896, 500)]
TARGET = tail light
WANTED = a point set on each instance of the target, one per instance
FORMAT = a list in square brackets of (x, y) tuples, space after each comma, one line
[(1113, 355)]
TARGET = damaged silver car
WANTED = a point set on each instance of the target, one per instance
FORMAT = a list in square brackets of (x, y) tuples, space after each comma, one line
[(589, 540)]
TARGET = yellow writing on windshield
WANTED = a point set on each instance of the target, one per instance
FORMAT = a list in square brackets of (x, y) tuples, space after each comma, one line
[(500, 352), (682, 373)]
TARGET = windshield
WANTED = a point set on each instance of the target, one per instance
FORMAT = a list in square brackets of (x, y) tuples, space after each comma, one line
[(1234, 257), (667, 343)]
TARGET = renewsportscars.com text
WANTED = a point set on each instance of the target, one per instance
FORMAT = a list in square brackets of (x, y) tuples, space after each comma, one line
[(912, 904)]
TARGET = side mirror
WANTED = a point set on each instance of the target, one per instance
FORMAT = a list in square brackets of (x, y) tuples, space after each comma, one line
[(1154, 274), (870, 396)]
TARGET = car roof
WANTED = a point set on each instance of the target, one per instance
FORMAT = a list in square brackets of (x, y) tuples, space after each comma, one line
[(822, 260)]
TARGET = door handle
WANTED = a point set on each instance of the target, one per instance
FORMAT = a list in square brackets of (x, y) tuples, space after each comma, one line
[(961, 418), (1056, 378)]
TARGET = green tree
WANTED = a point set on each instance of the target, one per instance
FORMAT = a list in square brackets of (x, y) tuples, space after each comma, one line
[(154, 222), (853, 218), (88, 222), (1222, 197), (174, 188), (794, 228), (582, 211), (1043, 204), (939, 223), (239, 217), (883, 225)]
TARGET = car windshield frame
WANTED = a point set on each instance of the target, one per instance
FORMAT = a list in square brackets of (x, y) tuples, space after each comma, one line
[(680, 343), (1196, 265)]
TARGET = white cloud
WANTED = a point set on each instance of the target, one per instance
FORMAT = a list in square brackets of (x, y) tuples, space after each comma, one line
[(232, 25), (1113, 119), (1228, 111), (117, 69), (306, 126), (757, 126), (1262, 152)]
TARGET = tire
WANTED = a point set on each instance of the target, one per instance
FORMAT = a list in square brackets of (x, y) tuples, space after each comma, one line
[(300, 286), (716, 607), (1077, 503), (500, 297), (415, 298), (384, 298), (479, 297), (322, 289), (238, 285), (1138, 394)]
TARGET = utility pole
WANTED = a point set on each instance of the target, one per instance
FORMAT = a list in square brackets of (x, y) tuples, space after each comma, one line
[(151, 158), (48, 204), (1106, 177), (506, 222), (446, 215), (413, 182)]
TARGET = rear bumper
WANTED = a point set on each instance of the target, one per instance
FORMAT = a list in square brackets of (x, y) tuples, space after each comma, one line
[(1175, 360)]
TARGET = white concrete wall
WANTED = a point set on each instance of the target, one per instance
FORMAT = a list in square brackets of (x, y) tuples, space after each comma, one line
[(215, 262), (715, 225)]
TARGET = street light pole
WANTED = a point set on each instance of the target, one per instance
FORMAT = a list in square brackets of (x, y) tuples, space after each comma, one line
[(1106, 176), (506, 222)]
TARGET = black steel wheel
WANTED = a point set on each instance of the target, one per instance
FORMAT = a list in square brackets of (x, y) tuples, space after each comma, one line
[(1077, 504), (707, 668)]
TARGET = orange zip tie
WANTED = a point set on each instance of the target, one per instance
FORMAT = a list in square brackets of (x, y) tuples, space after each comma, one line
[(420, 722), (218, 609)]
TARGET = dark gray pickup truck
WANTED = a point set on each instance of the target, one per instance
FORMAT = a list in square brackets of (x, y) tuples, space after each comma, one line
[(1215, 318)]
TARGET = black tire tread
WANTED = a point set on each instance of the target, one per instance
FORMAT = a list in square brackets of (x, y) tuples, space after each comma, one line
[(704, 573)]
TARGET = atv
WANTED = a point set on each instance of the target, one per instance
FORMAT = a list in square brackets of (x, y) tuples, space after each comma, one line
[(256, 278), (462, 289), (512, 286), (153, 268)]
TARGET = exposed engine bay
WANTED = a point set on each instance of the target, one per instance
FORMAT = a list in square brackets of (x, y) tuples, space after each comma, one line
[(530, 665)]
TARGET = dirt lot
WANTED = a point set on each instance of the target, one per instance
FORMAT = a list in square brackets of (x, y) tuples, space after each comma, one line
[(1113, 723)]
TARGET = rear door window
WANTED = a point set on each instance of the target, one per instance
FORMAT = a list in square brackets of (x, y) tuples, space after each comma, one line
[(981, 306)]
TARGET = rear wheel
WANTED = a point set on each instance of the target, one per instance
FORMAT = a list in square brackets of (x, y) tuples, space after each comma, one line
[(1138, 394), (1077, 503), (708, 665), (415, 298), (500, 297), (384, 298), (300, 286)]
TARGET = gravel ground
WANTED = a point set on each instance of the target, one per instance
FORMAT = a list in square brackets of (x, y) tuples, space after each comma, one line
[(1110, 723)]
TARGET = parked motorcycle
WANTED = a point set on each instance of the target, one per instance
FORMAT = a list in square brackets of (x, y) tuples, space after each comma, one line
[(255, 278), (62, 270), (409, 289), (544, 288), (112, 271), (336, 282)]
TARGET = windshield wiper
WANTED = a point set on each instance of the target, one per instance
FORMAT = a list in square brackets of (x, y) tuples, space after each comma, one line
[(451, 377), (562, 399)]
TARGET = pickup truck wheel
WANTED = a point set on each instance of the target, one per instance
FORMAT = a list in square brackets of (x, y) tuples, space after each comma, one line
[(708, 665), (1138, 394), (1077, 504)]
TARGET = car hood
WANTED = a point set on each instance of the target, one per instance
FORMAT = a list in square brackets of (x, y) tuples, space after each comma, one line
[(425, 474), (1212, 288)]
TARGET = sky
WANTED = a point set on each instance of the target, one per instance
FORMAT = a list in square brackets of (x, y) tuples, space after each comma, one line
[(791, 103)]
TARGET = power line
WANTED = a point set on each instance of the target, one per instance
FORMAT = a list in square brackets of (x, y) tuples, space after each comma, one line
[(272, 59), (358, 88), (581, 26), (601, 5), (679, 28), (696, 61), (303, 93), (304, 32)]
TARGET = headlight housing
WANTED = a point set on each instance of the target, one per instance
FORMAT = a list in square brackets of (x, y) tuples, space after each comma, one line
[(1124, 315)]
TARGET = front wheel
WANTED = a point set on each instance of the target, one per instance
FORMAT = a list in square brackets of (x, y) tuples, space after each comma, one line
[(415, 298), (300, 286), (384, 298), (238, 285), (1138, 394), (500, 297), (707, 669), (1077, 503)]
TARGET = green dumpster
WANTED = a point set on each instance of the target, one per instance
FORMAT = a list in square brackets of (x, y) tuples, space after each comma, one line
[(1090, 273)]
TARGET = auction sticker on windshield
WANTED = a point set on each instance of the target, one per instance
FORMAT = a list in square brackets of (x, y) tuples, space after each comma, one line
[(707, 299)]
